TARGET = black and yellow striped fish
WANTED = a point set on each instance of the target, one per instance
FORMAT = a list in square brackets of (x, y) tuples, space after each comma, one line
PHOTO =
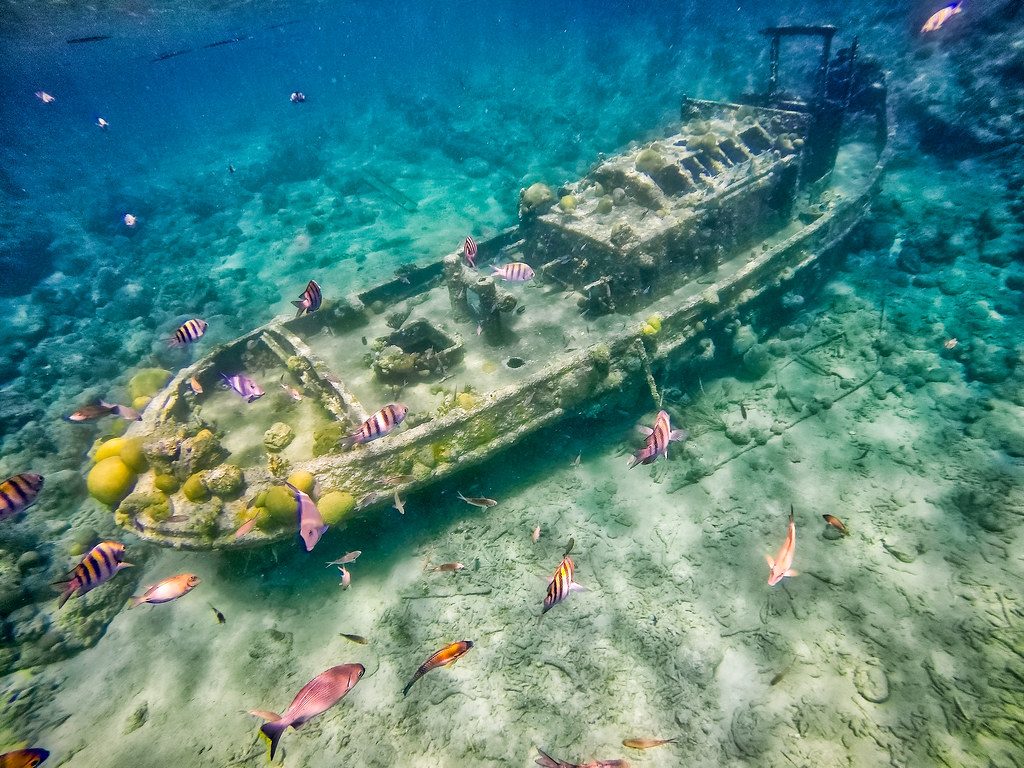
[(100, 564), (561, 584), (189, 332), (378, 425), (310, 299), (17, 493)]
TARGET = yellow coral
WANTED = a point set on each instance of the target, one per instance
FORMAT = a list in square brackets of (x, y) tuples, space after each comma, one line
[(302, 480), (648, 330), (111, 447), (336, 506), (465, 401), (148, 382), (655, 322), (140, 402), (131, 454), (110, 480), (195, 489)]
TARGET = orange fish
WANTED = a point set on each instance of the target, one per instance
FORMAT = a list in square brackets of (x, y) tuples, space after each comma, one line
[(168, 589), (646, 743), (561, 584), (941, 16), (246, 528), (443, 658), (836, 523), (196, 387), (781, 566), (23, 758)]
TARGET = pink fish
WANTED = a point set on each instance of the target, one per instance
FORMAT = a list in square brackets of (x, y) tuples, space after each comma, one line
[(246, 528), (316, 697), (244, 387), (378, 425), (346, 577), (311, 524), (657, 440), (470, 250), (547, 761), (130, 220), (781, 566), (535, 536), (44, 97), (516, 272)]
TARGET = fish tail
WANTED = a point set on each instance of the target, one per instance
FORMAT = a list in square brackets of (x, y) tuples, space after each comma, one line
[(69, 590), (409, 685), (136, 600), (301, 308), (272, 732)]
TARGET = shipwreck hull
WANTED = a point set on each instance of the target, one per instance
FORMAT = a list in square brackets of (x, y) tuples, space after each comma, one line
[(448, 323)]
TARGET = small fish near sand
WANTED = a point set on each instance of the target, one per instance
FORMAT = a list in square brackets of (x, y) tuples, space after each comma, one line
[(658, 440), (448, 567), (561, 584), (469, 248), (836, 523), (357, 639), (399, 504), (646, 743), (478, 501), (378, 425), (291, 392), (348, 557), (88, 39), (310, 300), (781, 566), (23, 758), (244, 387), (18, 493), (547, 761), (218, 614), (515, 272), (316, 697), (442, 658), (167, 589), (941, 16), (311, 523), (188, 332), (535, 536), (99, 565), (346, 577)]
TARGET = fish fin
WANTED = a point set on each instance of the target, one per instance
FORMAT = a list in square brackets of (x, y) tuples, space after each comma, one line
[(408, 686), (576, 587), (771, 561), (792, 572), (272, 732), (135, 600), (65, 596), (125, 565), (547, 761), (678, 434), (645, 431), (633, 461)]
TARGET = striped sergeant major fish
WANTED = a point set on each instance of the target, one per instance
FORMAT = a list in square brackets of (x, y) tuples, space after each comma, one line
[(561, 584), (24, 758), (657, 440), (310, 300), (18, 493), (189, 333), (100, 564), (470, 249), (442, 658), (516, 272), (316, 697), (378, 425)]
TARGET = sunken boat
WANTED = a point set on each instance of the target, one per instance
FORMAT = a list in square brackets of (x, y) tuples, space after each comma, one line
[(635, 265)]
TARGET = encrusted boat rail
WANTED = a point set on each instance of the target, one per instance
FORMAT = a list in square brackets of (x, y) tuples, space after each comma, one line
[(636, 264)]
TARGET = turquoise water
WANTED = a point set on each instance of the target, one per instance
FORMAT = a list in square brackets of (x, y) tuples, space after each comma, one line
[(887, 394)]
